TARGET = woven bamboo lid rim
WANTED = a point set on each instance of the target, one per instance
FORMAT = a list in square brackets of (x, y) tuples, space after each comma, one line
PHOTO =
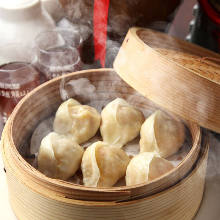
[(214, 58)]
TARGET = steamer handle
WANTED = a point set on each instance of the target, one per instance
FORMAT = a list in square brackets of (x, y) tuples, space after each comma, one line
[(100, 22)]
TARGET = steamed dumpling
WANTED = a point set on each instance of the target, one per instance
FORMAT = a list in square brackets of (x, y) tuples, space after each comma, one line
[(121, 122), (145, 167), (59, 156), (161, 134), (103, 165), (81, 121), (62, 122)]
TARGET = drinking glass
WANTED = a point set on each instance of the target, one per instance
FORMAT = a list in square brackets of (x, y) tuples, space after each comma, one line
[(58, 52), (17, 77)]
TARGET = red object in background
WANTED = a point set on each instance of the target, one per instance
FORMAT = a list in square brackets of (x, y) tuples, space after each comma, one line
[(210, 11), (205, 27), (100, 22), (213, 15)]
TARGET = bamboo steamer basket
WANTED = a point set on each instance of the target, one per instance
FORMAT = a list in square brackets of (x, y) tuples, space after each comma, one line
[(35, 196)]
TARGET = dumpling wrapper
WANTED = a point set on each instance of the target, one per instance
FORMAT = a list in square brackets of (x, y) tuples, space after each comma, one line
[(121, 122), (145, 167), (59, 156), (81, 121), (161, 134), (103, 165)]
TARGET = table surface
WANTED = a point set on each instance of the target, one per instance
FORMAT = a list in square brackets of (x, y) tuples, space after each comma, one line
[(209, 208)]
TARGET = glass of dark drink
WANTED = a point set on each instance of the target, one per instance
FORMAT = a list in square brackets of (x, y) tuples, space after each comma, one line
[(58, 52), (17, 77)]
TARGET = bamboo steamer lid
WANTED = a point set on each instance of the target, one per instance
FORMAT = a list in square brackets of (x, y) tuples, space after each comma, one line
[(179, 76)]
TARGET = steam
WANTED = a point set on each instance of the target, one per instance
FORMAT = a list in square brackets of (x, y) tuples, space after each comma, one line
[(85, 92), (43, 129), (80, 16), (79, 11), (76, 88), (83, 29), (112, 48), (213, 170)]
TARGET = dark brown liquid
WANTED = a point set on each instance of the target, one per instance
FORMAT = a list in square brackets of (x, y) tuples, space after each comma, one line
[(16, 80), (57, 61)]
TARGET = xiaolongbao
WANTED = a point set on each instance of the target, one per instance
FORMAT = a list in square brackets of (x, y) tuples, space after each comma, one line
[(162, 134), (81, 121), (103, 165), (121, 122), (145, 167), (59, 156)]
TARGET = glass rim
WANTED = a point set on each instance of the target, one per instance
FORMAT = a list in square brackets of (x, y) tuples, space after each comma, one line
[(72, 64), (69, 47), (56, 30), (26, 64)]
